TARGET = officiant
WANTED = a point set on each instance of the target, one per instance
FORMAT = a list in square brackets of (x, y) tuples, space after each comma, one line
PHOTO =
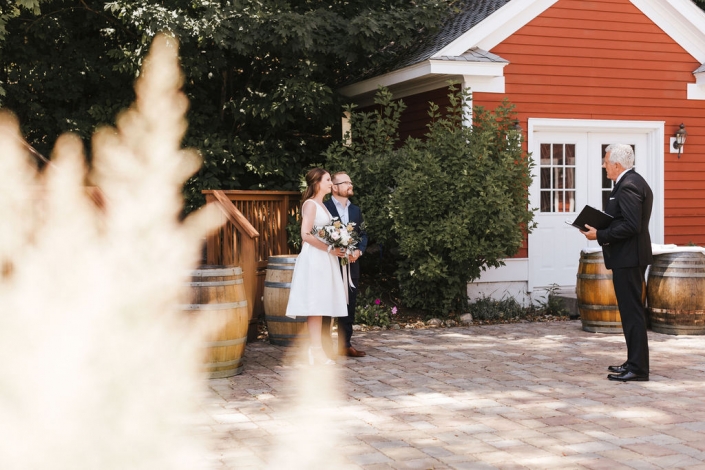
[(626, 248)]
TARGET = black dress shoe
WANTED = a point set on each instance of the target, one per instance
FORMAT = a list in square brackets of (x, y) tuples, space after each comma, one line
[(618, 369), (628, 376)]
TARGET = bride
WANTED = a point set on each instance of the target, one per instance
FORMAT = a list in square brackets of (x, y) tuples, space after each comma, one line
[(317, 288)]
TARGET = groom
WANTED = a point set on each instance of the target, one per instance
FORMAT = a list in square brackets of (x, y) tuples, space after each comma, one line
[(339, 205)]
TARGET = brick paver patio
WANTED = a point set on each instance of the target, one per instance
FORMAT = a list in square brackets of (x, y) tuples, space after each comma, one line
[(525, 395)]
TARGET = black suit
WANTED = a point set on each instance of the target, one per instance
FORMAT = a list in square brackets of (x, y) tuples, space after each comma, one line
[(345, 324), (626, 246)]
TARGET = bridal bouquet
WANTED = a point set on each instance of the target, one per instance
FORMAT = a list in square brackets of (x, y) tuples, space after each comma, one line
[(337, 235)]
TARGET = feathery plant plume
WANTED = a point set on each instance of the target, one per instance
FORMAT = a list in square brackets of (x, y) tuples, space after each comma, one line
[(98, 369)]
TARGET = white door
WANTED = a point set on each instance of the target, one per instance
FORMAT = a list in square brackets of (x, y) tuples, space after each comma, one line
[(568, 175)]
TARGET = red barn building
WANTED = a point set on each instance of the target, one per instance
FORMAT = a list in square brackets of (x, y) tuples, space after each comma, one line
[(582, 74)]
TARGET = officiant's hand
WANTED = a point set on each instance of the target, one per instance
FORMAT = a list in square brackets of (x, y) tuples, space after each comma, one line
[(591, 234)]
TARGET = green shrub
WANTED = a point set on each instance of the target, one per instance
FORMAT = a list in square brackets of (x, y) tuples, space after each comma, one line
[(374, 313), (553, 305), (489, 309), (460, 205), (443, 209)]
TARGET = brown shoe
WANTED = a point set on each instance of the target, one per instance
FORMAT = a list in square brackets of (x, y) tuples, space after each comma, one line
[(352, 352)]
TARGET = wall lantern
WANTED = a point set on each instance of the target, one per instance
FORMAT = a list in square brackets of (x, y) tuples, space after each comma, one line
[(679, 139), (517, 133)]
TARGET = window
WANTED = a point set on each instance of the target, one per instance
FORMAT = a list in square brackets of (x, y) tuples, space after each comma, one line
[(557, 169)]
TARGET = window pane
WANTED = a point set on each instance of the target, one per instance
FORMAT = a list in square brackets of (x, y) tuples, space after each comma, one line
[(570, 201), (570, 154), (569, 178), (545, 201), (557, 154), (545, 154), (545, 178)]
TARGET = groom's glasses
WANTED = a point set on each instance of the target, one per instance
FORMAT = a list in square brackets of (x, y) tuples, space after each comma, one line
[(344, 182)]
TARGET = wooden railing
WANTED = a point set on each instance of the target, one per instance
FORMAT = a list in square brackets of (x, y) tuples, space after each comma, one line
[(254, 228)]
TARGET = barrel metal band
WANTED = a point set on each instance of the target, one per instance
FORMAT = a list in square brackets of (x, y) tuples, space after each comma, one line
[(279, 285), (675, 329), (284, 319), (597, 307), (591, 261), (281, 267), (595, 276), (672, 274), (227, 342), (602, 323), (216, 272), (221, 374), (217, 283), (282, 259), (242, 303), (236, 362), (677, 312), (280, 336)]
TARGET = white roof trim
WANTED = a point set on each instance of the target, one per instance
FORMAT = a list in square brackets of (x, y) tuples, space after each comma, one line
[(497, 27), (424, 69), (682, 20)]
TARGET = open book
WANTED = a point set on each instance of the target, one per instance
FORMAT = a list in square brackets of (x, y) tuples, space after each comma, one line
[(592, 217)]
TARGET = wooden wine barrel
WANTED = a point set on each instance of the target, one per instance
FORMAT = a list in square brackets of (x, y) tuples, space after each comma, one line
[(676, 293), (217, 297), (283, 331), (597, 303)]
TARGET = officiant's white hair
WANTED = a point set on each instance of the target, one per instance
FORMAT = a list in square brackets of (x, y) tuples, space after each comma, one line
[(622, 154)]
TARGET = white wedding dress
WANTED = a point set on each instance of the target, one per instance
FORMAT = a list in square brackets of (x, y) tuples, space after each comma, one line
[(317, 285)]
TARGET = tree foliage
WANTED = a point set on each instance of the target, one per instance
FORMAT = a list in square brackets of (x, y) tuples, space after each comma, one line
[(260, 74), (446, 207)]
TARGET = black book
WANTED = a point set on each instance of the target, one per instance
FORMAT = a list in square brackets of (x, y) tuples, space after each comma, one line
[(592, 217)]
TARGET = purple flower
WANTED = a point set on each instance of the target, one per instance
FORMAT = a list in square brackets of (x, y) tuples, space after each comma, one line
[(377, 301), (394, 310)]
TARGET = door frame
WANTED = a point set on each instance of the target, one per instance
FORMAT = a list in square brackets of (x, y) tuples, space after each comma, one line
[(653, 171)]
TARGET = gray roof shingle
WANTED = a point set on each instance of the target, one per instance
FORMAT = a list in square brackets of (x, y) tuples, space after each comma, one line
[(462, 17), (471, 13)]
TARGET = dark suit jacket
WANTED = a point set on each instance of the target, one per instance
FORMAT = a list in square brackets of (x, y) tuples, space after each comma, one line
[(355, 215), (626, 242)]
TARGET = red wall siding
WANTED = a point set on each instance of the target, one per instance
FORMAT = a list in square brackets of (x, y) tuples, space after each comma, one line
[(603, 59), (415, 116), (414, 119)]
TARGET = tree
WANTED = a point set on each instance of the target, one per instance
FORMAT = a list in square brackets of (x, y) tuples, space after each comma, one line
[(260, 74)]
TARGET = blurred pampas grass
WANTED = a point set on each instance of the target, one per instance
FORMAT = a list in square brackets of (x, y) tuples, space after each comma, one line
[(97, 368)]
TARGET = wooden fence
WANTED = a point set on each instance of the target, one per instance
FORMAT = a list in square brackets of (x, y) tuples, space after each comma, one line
[(253, 228)]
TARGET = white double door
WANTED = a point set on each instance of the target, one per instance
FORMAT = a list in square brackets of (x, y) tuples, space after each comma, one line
[(568, 175)]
